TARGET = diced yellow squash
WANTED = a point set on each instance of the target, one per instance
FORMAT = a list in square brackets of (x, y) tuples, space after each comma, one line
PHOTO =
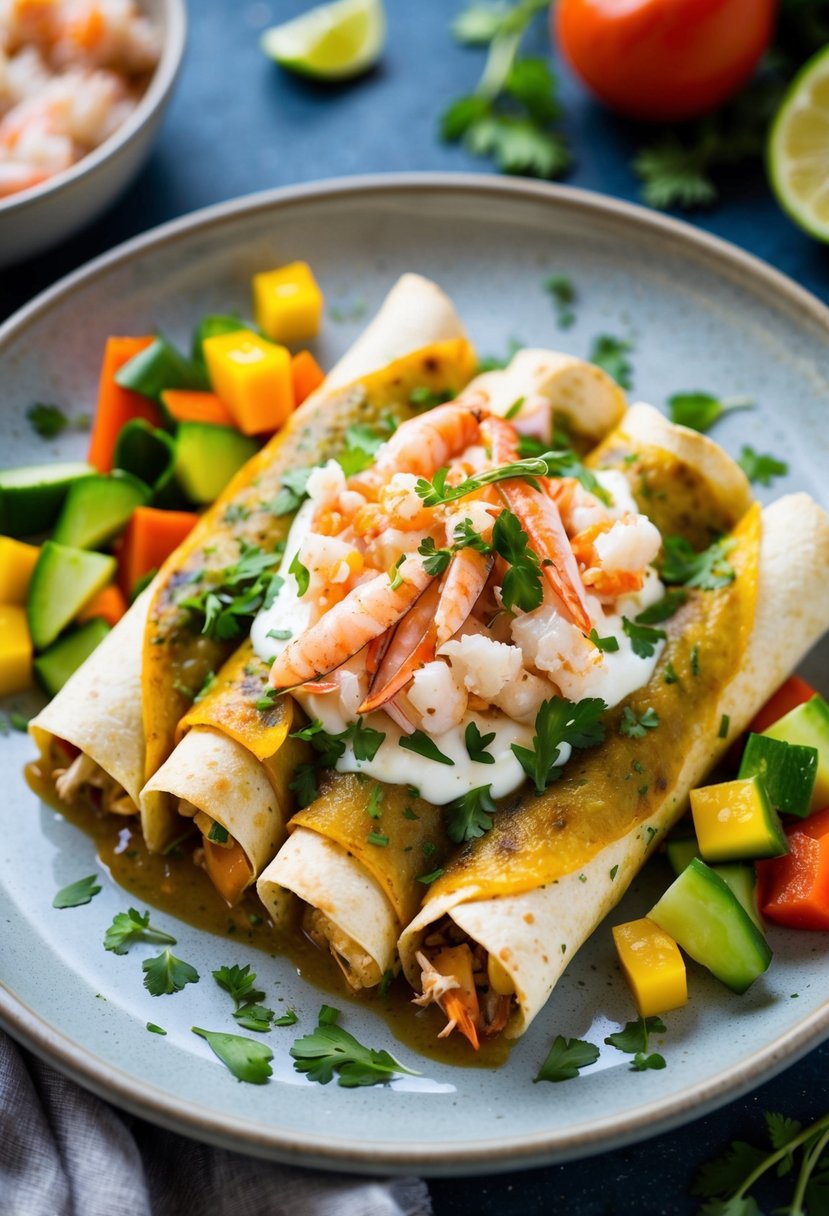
[(735, 821), (287, 303), (652, 965), (253, 378), (15, 650), (17, 561)]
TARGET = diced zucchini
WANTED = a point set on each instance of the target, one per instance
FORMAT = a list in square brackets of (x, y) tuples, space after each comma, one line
[(54, 667), (706, 918), (681, 852), (146, 452), (98, 508), (735, 821), (787, 770), (63, 580), (207, 456), (157, 367), (31, 497), (808, 726)]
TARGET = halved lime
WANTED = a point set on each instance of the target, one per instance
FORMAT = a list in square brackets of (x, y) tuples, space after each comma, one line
[(332, 42), (798, 148)]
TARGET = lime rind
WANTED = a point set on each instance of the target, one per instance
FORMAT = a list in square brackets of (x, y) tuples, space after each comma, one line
[(798, 102), (331, 42)]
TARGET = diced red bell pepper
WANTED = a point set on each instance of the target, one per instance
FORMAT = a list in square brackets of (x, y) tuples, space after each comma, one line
[(790, 694), (794, 890)]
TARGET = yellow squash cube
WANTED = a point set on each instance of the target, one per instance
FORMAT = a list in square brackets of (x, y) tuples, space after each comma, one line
[(253, 378), (17, 561), (15, 650), (287, 303), (735, 821), (652, 966)]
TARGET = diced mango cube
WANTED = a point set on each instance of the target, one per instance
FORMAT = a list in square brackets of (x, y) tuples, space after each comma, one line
[(253, 378), (287, 303), (652, 965), (15, 650), (17, 561), (735, 821)]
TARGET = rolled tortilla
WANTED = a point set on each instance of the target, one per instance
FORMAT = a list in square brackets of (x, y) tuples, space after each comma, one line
[(532, 912), (98, 712)]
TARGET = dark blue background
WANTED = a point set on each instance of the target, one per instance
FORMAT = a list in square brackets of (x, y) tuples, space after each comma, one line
[(237, 124)]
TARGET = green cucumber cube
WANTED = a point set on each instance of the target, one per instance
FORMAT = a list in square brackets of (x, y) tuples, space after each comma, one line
[(808, 726), (98, 508), (207, 456), (54, 667), (63, 580), (31, 497), (787, 770)]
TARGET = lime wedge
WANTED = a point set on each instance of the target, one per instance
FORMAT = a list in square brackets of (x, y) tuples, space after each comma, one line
[(332, 42), (798, 148)]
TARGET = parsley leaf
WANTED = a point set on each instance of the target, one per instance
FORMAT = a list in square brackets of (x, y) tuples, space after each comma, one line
[(465, 537), (761, 468), (77, 893), (635, 728), (610, 354), (608, 645), (708, 569), (293, 491), (130, 927), (562, 463), (238, 983), (422, 745), (561, 291), (287, 1019), (47, 420), (643, 638), (700, 411), (435, 560), (476, 744), (304, 784), (365, 740), (633, 1039), (330, 1049), (300, 573), (232, 597), (469, 816), (675, 175), (245, 1058), (521, 587), (663, 609), (565, 1058), (560, 721), (166, 974)]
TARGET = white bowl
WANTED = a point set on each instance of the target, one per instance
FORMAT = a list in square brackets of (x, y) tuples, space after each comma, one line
[(34, 219)]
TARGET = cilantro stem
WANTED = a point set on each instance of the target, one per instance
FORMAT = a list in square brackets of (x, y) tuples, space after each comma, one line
[(809, 1162), (787, 1149)]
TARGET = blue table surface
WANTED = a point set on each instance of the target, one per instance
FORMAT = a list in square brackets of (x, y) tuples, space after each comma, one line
[(237, 124)]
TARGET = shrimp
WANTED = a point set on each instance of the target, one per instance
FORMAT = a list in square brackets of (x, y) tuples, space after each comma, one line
[(424, 444), (364, 614), (465, 580), (540, 518)]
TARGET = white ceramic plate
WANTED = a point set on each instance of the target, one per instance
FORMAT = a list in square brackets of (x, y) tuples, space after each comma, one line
[(701, 315)]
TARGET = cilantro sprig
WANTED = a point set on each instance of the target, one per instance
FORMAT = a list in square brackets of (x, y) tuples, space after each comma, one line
[(130, 927), (708, 570), (521, 586), (77, 893), (166, 974), (633, 1039), (365, 741), (238, 983), (559, 463), (477, 744), (700, 411), (565, 1059), (293, 492), (644, 639), (635, 726), (512, 115), (560, 721), (611, 354), (469, 816), (761, 468), (246, 1058), (232, 597), (329, 1050)]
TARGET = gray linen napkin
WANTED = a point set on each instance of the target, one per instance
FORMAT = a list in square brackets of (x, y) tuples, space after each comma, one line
[(64, 1152)]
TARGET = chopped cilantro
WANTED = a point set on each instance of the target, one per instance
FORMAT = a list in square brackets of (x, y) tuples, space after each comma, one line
[(432, 876), (633, 1040), (469, 816), (695, 659), (708, 569), (293, 491), (287, 1019), (300, 573), (643, 638), (424, 398), (238, 984), (378, 839), (609, 644), (614, 870), (435, 560), (610, 354), (761, 468), (476, 744), (561, 291), (304, 784), (77, 893), (559, 463), (233, 596), (422, 745), (130, 927), (166, 974), (635, 727), (330, 1050), (247, 1059), (560, 721), (521, 587), (565, 1058), (700, 411), (669, 675), (663, 609), (373, 808)]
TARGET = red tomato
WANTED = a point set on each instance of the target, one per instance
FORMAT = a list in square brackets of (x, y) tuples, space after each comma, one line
[(664, 59)]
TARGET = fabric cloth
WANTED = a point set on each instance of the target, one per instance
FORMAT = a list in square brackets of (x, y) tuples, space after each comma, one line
[(65, 1152)]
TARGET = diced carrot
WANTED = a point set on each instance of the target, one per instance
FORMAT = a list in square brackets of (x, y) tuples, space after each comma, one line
[(116, 405), (788, 696), (228, 869), (307, 375), (109, 603), (187, 405), (149, 539), (794, 890)]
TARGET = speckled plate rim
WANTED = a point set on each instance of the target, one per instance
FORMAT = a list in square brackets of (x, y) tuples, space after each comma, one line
[(474, 1156)]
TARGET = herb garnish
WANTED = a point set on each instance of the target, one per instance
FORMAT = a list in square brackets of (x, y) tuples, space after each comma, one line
[(130, 927), (560, 721), (510, 115), (330, 1049), (166, 974), (238, 983), (559, 463), (635, 727), (234, 595), (304, 784), (247, 1059), (422, 745), (561, 291), (761, 468), (633, 1040), (423, 398), (610, 354), (608, 645), (432, 876), (725, 725), (565, 1058), (708, 569), (469, 816), (663, 609), (644, 639), (364, 739), (153, 1029), (293, 491), (700, 411), (476, 744), (47, 420), (77, 893), (300, 573), (521, 586), (395, 576)]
